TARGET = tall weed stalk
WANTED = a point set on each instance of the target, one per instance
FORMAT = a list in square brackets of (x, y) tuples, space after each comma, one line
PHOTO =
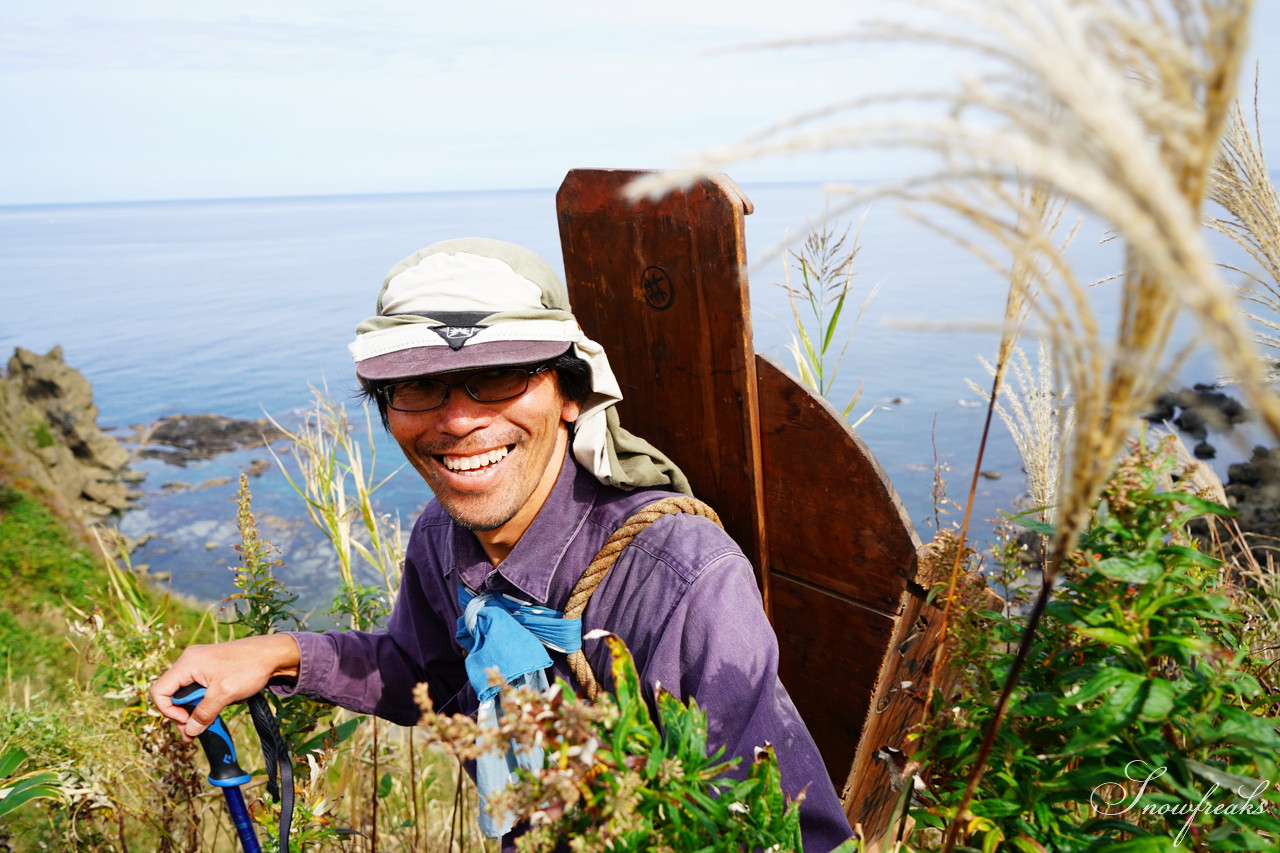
[(338, 489), (824, 266)]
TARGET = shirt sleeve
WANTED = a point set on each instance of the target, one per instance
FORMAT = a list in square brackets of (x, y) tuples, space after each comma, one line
[(375, 672)]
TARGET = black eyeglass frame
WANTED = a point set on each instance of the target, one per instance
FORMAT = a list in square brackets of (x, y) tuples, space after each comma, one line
[(386, 392)]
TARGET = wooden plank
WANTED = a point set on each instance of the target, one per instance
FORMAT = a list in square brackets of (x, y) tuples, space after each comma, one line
[(830, 654), (872, 790), (841, 554), (833, 519), (663, 285)]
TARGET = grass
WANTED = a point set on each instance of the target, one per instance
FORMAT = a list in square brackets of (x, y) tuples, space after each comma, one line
[(46, 573), (43, 568)]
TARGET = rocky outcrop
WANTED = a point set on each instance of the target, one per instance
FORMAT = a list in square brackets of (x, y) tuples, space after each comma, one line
[(1253, 490), (50, 428), (179, 439), (1197, 412)]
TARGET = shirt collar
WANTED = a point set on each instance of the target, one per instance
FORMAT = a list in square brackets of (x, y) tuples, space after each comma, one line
[(528, 571)]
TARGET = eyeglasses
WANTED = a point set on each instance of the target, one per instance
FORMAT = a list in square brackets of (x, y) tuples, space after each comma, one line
[(487, 386)]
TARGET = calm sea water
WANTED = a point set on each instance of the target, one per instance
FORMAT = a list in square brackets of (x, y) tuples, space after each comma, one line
[(237, 307)]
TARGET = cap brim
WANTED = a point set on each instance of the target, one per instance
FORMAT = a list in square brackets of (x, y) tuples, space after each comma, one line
[(422, 361)]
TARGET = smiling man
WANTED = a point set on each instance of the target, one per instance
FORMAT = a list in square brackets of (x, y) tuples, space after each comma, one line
[(505, 409)]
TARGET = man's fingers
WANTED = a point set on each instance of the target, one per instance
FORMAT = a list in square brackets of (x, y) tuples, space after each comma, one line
[(162, 690), (202, 716), (229, 671)]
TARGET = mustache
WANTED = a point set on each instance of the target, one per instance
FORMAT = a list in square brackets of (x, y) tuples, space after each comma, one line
[(468, 445)]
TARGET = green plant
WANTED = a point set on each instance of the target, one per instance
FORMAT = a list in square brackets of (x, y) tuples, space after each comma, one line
[(1139, 699), (263, 605), (824, 263), (16, 789), (617, 779), (123, 770), (338, 490), (42, 435)]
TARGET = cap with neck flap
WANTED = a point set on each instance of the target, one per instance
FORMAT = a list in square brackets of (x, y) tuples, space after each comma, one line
[(472, 303)]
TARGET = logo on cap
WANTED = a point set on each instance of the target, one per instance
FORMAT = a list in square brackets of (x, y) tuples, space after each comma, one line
[(456, 336)]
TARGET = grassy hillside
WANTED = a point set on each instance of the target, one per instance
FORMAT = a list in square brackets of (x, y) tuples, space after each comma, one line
[(50, 572)]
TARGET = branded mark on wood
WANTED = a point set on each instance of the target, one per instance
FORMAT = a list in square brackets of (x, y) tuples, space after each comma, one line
[(658, 290)]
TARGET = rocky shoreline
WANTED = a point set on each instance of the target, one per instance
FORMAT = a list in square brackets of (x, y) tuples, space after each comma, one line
[(49, 424)]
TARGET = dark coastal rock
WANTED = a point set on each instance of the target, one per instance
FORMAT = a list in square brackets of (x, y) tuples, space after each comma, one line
[(1203, 409), (1164, 408), (1192, 422), (1253, 490), (49, 419), (179, 439)]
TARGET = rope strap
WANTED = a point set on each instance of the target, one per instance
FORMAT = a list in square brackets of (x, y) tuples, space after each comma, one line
[(604, 560)]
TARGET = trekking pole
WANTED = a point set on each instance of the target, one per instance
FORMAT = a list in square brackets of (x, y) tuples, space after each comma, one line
[(224, 772)]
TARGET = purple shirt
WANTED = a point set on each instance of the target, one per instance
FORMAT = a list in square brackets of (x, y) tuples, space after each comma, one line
[(682, 596)]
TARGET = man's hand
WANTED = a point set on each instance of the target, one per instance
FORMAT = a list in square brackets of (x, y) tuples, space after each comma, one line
[(229, 672)]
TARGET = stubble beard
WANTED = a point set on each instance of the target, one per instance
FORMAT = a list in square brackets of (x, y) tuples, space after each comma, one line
[(488, 510)]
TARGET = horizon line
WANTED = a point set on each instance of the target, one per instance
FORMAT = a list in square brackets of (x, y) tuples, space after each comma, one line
[(351, 195)]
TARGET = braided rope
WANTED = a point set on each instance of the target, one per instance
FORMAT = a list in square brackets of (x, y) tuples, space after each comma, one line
[(604, 561)]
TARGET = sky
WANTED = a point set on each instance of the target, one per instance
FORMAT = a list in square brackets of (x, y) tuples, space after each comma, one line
[(138, 99)]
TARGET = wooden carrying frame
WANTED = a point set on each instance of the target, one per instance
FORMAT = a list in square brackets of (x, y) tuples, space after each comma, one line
[(663, 285)]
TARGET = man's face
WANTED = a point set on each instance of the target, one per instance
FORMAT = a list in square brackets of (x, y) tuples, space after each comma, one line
[(488, 463)]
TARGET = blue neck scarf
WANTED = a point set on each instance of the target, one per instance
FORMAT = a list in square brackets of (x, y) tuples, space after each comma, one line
[(501, 633)]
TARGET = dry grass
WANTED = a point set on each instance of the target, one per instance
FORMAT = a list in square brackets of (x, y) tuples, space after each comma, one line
[(1241, 185), (1118, 107), (1040, 418)]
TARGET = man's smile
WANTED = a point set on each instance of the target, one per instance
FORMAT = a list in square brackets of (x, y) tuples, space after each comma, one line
[(477, 463)]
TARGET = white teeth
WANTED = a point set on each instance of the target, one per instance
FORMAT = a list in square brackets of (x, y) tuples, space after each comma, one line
[(468, 463)]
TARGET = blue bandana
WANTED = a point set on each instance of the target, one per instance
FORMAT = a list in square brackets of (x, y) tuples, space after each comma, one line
[(513, 637)]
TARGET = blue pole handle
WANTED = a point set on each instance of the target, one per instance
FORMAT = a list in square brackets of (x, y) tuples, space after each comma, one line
[(224, 771)]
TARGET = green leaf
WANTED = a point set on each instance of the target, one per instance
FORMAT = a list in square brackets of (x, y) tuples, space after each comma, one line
[(1113, 636), (9, 761), (1105, 679), (1145, 844), (1233, 783), (1241, 727), (1034, 525), (835, 319), (1232, 837), (335, 735), (40, 786), (1117, 710), (1199, 506), (1159, 702), (1190, 555), (1130, 569), (996, 808)]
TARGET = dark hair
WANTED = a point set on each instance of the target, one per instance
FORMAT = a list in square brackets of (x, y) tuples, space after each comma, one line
[(572, 373)]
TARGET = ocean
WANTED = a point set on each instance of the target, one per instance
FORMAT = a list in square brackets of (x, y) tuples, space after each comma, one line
[(241, 307)]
